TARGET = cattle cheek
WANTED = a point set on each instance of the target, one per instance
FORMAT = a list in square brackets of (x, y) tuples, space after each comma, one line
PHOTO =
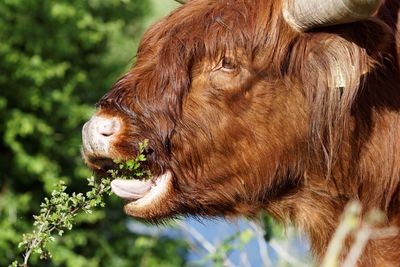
[(211, 127)]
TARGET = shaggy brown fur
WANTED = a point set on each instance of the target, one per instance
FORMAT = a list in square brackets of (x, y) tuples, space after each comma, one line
[(249, 114)]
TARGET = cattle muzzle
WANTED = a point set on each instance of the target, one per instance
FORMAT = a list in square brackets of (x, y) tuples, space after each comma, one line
[(98, 134)]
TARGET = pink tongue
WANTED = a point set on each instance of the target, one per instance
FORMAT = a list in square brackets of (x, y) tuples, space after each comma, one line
[(130, 189)]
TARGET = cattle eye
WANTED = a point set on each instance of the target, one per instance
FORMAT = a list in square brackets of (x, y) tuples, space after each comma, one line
[(228, 64)]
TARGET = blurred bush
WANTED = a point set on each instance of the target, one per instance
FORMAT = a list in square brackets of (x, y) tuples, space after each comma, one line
[(56, 59)]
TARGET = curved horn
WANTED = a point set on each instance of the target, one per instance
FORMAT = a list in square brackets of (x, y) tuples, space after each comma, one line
[(307, 14)]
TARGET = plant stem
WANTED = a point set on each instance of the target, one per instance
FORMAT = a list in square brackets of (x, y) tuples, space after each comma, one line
[(34, 243)]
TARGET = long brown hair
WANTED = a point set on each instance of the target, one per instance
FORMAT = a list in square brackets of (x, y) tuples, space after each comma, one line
[(349, 76)]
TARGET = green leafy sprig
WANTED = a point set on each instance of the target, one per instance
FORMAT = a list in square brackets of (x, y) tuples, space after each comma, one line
[(133, 168), (57, 212)]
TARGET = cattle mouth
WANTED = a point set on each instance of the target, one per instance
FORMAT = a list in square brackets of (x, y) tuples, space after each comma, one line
[(141, 191), (125, 183), (137, 192), (101, 164)]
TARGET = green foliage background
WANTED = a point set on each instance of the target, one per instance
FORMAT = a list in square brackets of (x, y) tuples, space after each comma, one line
[(56, 59)]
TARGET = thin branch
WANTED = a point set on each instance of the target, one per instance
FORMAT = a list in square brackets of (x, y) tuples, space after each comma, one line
[(285, 255), (363, 235), (244, 259), (34, 243), (203, 241), (387, 232), (349, 222), (259, 232)]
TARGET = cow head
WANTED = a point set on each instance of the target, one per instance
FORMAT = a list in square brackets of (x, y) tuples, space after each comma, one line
[(225, 92)]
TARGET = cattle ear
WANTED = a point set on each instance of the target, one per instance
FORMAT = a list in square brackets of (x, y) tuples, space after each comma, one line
[(340, 57), (181, 1), (331, 65)]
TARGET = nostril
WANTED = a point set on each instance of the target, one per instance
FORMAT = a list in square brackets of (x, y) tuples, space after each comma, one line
[(107, 127)]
